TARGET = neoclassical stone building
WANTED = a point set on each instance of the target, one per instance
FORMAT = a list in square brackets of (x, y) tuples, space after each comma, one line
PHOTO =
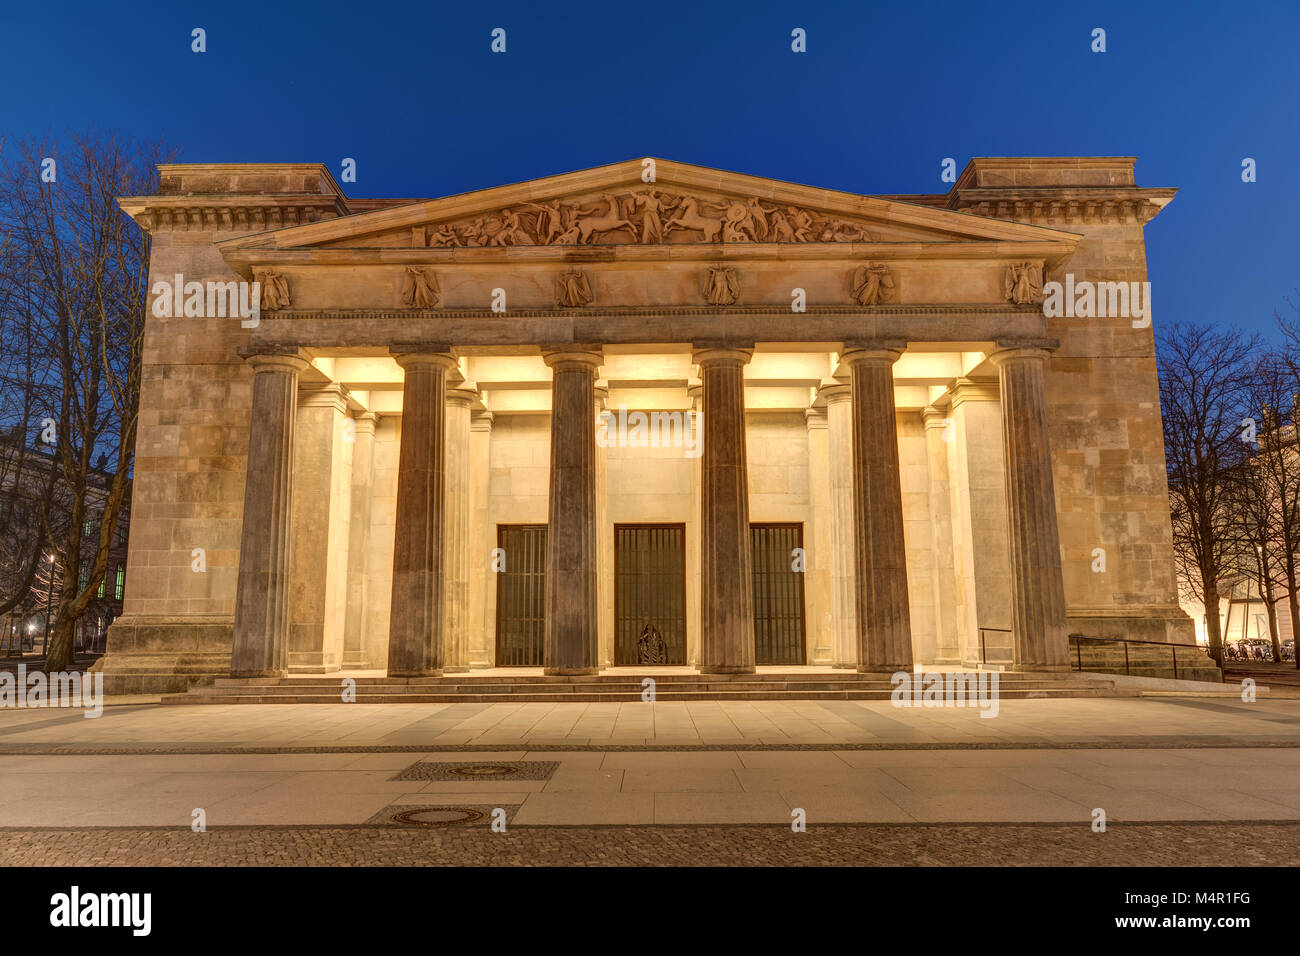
[(461, 432)]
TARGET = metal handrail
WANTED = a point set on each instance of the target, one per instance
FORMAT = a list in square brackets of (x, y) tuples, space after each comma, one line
[(1078, 639), (984, 655)]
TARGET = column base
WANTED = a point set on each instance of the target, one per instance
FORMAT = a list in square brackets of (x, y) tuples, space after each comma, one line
[(455, 670), (725, 669)]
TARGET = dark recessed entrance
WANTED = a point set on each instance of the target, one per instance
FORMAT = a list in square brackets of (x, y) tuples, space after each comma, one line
[(778, 593), (521, 595), (649, 594)]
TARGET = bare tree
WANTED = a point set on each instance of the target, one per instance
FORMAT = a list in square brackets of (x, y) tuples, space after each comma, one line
[(1204, 387), (86, 290)]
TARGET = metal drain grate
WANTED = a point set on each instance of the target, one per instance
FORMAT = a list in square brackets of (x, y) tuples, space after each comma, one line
[(438, 816), (483, 770)]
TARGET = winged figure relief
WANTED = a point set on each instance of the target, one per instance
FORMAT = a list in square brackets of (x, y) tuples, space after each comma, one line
[(721, 285), (419, 288), (274, 291), (872, 284), (1022, 283)]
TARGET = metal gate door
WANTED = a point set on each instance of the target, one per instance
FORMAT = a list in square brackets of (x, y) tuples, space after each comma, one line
[(521, 596), (649, 594), (778, 594)]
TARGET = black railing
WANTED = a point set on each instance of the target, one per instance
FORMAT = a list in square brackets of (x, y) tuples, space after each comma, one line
[(984, 651), (1108, 663)]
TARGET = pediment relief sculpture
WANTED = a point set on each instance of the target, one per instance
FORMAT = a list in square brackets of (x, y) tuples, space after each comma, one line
[(721, 285), (872, 284), (274, 290), (646, 216), (572, 290), (1022, 283), (420, 288)]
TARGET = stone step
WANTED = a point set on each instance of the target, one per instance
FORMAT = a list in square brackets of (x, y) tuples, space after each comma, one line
[(279, 696), (569, 690)]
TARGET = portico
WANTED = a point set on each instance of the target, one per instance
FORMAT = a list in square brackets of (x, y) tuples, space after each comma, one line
[(865, 444)]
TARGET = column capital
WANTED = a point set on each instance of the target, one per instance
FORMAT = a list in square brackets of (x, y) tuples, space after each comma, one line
[(835, 391), (481, 421), (462, 397), (409, 359), (1035, 349), (323, 395), (815, 417), (711, 355), (934, 417), (601, 392), (573, 357), (365, 422), (964, 390), (882, 354), (276, 359)]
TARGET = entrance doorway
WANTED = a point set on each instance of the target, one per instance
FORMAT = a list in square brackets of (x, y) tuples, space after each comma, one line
[(649, 594), (778, 593), (521, 595)]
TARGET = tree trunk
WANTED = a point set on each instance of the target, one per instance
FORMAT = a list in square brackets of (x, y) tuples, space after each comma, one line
[(58, 652), (1210, 600), (1291, 599)]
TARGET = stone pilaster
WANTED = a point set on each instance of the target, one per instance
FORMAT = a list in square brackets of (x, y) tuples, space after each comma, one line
[(456, 590), (321, 511), (726, 581), (482, 646), (839, 458), (415, 646), (938, 435), (572, 629), (357, 652), (1037, 588), (884, 617), (980, 521), (817, 573), (262, 601)]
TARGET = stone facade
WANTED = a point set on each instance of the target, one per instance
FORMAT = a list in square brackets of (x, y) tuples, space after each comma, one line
[(425, 373)]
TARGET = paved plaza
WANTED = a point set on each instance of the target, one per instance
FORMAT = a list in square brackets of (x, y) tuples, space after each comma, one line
[(1205, 779)]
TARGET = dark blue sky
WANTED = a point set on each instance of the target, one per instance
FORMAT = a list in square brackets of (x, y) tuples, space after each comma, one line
[(884, 93)]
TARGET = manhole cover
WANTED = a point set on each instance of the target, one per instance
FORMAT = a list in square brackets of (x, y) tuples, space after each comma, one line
[(482, 770), (438, 816)]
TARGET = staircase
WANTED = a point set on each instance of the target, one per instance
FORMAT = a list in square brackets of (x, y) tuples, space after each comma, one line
[(607, 688)]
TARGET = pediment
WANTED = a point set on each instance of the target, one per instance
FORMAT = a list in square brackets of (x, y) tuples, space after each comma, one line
[(614, 205)]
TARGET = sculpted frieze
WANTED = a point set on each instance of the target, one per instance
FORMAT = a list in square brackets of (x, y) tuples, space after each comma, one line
[(646, 216)]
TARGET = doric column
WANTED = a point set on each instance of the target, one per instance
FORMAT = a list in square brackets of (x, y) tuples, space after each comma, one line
[(456, 595), (839, 455), (604, 542), (695, 393), (1037, 586), (415, 647), (884, 618), (572, 636), (261, 630), (726, 582), (356, 652), (943, 579)]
